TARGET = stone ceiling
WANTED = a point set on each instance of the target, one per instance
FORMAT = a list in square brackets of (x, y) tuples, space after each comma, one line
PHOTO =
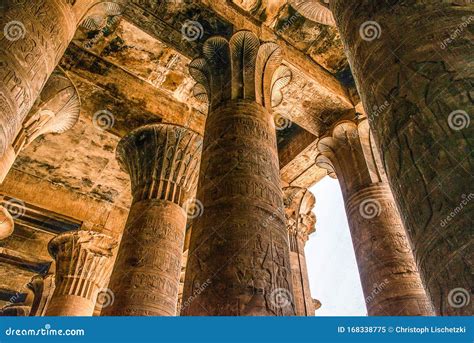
[(133, 68)]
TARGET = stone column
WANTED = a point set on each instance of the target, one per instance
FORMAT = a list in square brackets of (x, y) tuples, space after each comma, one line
[(238, 260), (299, 203), (42, 287), (33, 37), (388, 272), (417, 91), (83, 263), (6, 222), (163, 163), (56, 110)]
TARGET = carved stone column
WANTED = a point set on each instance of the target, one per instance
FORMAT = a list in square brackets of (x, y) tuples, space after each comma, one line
[(83, 263), (238, 257), (33, 37), (55, 111), (299, 203), (43, 289), (163, 163), (417, 91), (388, 272)]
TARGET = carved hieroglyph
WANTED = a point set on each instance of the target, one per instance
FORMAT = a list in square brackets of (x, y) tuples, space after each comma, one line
[(417, 92), (238, 257), (43, 288), (83, 265), (163, 163), (388, 272), (299, 203), (56, 110)]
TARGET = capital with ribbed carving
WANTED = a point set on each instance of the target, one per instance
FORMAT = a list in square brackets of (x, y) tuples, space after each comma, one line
[(315, 10), (162, 161), (241, 68), (347, 152), (42, 287), (380, 244), (83, 265), (55, 111), (299, 203)]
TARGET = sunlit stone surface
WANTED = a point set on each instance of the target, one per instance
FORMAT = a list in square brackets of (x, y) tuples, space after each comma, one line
[(222, 115)]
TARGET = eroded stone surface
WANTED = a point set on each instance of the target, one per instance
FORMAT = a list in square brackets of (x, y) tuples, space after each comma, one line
[(129, 65), (299, 203), (83, 264), (417, 91), (163, 163), (238, 255), (389, 275)]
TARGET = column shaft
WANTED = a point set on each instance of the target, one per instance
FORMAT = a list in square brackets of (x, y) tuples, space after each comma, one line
[(299, 204), (163, 163), (238, 256), (239, 247), (146, 274), (33, 37), (417, 92), (389, 276), (388, 272), (55, 111), (299, 271)]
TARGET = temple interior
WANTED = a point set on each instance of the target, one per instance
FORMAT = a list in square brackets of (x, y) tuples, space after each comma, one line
[(156, 156)]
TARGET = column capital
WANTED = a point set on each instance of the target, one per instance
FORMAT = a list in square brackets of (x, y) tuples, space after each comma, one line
[(241, 68), (42, 287), (347, 151), (315, 10), (55, 111), (83, 260), (299, 203), (162, 161)]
